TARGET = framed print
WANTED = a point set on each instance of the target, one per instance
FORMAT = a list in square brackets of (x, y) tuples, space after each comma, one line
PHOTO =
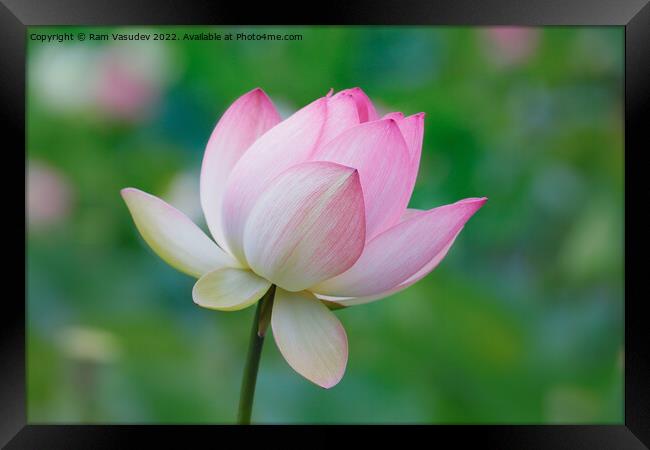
[(419, 216)]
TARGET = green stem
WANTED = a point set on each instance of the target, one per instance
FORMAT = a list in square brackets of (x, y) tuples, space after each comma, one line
[(258, 330)]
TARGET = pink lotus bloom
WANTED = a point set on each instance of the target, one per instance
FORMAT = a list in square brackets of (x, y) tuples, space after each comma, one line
[(316, 205)]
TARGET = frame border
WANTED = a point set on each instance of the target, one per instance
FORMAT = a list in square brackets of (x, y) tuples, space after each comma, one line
[(634, 15)]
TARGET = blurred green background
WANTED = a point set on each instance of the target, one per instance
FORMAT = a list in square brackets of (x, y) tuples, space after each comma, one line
[(522, 322)]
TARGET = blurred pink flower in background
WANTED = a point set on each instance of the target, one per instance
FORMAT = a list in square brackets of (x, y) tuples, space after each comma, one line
[(49, 195), (121, 81), (122, 92), (511, 45), (130, 77), (315, 205)]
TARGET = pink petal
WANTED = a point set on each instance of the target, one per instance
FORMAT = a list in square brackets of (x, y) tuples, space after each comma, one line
[(400, 252), (288, 143), (410, 213), (397, 116), (308, 226), (412, 128), (424, 271), (342, 114), (378, 151), (365, 107), (174, 237), (250, 116), (310, 337)]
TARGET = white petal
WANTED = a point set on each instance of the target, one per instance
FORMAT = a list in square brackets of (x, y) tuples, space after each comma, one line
[(174, 237), (229, 289), (310, 337)]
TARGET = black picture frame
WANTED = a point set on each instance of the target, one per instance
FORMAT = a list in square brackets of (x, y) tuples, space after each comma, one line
[(633, 15)]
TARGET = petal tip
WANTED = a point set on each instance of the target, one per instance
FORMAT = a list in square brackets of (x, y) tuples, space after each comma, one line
[(330, 384), (129, 193), (388, 124), (257, 95), (344, 168), (393, 127), (256, 91), (475, 203), (476, 200), (195, 295), (395, 114), (472, 205)]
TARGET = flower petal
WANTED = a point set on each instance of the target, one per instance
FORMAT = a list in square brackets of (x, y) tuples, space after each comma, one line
[(308, 226), (288, 143), (342, 113), (400, 252), (424, 271), (310, 337), (365, 107), (410, 213), (229, 289), (396, 115), (378, 151), (412, 128), (174, 237), (250, 116)]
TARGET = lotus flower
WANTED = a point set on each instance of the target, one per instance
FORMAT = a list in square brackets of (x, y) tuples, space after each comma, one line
[(315, 205)]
